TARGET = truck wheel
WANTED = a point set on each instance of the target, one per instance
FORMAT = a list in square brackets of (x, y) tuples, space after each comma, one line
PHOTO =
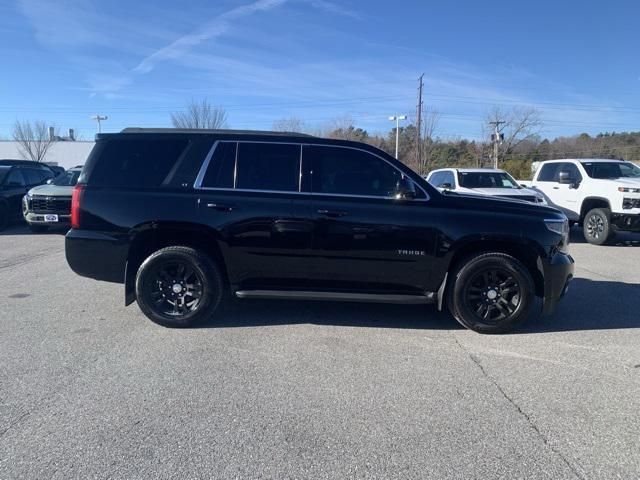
[(597, 227), (178, 287), (491, 293), (4, 217)]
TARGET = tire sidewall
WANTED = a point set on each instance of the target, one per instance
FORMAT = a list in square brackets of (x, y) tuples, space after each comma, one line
[(607, 232), (212, 287), (467, 272)]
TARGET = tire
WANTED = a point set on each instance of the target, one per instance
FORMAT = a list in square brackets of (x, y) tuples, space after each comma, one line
[(4, 216), (596, 226), (38, 228), (490, 293), (179, 287)]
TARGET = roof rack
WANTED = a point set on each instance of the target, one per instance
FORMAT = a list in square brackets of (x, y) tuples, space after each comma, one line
[(214, 131)]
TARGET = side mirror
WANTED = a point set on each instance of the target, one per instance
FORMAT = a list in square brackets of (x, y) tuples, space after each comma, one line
[(446, 186), (564, 177), (405, 189)]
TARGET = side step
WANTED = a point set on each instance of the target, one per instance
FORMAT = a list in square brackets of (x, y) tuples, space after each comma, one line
[(338, 296)]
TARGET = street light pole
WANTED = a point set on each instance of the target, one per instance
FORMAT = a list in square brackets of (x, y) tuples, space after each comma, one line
[(99, 119), (397, 118)]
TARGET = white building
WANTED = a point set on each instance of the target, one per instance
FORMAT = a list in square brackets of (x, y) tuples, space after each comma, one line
[(64, 153)]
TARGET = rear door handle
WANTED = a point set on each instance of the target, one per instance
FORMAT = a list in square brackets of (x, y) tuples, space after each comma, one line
[(220, 206), (332, 213)]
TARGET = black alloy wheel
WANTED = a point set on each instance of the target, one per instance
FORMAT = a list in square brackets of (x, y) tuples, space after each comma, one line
[(178, 287)]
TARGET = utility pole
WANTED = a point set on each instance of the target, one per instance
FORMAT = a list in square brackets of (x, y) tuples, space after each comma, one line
[(419, 124), (397, 118), (496, 139), (99, 119)]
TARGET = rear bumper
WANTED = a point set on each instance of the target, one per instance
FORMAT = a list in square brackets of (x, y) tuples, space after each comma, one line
[(96, 255), (558, 273), (627, 222)]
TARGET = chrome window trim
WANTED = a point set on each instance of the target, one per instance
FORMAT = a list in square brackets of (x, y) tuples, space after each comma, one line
[(198, 182)]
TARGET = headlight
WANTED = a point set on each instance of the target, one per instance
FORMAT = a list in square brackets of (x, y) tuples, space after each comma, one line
[(629, 190), (556, 225)]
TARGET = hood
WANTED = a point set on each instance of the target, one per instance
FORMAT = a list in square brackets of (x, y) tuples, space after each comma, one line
[(52, 191), (501, 204), (524, 192), (623, 182)]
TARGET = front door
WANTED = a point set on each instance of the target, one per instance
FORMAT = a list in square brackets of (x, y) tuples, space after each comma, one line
[(251, 196), (364, 239)]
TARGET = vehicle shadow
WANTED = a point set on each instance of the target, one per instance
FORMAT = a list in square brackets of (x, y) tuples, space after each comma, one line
[(23, 229), (621, 239), (589, 305)]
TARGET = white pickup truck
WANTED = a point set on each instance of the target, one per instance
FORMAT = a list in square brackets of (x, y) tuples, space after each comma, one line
[(601, 195)]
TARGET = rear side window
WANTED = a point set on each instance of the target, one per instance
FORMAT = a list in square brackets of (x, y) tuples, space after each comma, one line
[(268, 166), (136, 162), (220, 173), (548, 172)]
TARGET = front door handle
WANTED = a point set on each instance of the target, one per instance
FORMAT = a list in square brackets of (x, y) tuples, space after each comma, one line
[(221, 207), (332, 213), (556, 188)]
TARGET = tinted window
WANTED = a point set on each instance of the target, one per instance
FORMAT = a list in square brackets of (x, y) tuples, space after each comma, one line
[(221, 166), (15, 177), (268, 166), (548, 172), (611, 169), (574, 173), (353, 172), (138, 163), (35, 177)]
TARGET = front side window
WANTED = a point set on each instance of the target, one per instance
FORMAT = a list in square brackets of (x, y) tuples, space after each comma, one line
[(574, 173), (67, 179), (348, 171), (15, 178), (268, 166)]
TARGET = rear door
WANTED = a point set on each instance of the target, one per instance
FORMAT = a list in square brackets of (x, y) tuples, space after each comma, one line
[(250, 193), (14, 189), (363, 237)]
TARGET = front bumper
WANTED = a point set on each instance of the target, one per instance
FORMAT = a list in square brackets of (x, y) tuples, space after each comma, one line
[(34, 218), (627, 222), (558, 273)]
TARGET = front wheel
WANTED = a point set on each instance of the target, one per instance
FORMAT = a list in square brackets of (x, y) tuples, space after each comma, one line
[(178, 287), (597, 226), (491, 293)]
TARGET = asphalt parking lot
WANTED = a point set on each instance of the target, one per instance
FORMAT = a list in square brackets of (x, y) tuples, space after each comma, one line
[(91, 389)]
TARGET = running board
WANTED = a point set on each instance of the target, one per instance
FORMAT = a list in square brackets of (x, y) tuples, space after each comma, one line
[(338, 296)]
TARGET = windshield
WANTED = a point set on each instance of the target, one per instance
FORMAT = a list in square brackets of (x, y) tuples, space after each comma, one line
[(611, 169), (67, 179), (486, 180)]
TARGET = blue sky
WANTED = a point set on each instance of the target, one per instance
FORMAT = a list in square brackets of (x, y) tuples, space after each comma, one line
[(263, 60)]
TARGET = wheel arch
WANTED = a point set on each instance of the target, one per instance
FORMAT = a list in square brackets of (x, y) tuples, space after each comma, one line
[(152, 236), (527, 252), (590, 203)]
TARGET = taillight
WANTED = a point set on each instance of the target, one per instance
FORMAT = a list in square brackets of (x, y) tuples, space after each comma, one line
[(75, 205)]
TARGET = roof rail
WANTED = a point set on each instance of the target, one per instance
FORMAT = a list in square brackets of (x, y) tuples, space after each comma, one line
[(213, 131)]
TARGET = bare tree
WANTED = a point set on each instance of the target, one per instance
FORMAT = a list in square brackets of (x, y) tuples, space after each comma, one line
[(291, 124), (430, 119), (200, 114), (33, 139), (520, 125)]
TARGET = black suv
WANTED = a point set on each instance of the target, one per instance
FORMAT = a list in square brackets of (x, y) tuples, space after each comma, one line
[(16, 178), (183, 216)]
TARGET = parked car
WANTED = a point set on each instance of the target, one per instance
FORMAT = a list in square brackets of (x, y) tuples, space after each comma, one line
[(482, 181), (601, 195), (182, 217), (16, 178), (50, 204)]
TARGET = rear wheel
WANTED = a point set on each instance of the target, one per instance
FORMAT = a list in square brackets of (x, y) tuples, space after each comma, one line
[(597, 226), (491, 293), (178, 287)]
